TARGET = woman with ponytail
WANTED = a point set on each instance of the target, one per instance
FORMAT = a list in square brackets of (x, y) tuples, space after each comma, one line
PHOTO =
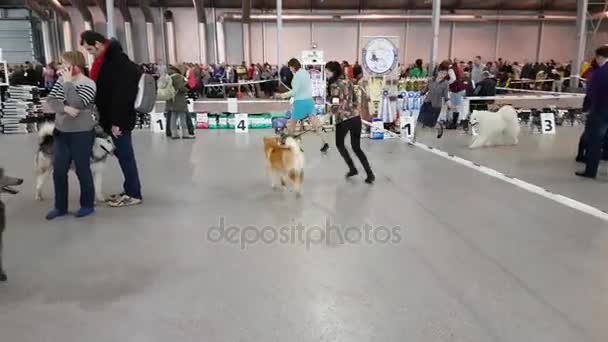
[(344, 106)]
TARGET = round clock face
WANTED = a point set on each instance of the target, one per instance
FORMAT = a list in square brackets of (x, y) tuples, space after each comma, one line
[(380, 56)]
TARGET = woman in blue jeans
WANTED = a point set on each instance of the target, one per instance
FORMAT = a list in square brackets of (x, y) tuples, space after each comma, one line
[(72, 100)]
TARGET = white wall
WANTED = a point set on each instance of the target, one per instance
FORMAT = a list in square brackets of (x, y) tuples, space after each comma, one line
[(475, 39), (138, 28), (509, 40), (559, 42), (518, 41)]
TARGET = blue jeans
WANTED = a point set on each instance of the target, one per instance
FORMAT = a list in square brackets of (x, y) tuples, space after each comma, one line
[(67, 148), (595, 132), (128, 164)]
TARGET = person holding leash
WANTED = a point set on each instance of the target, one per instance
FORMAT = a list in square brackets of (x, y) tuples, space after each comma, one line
[(343, 104), (303, 105)]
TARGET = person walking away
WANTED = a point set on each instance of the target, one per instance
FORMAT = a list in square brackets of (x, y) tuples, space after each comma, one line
[(117, 80), (303, 104), (457, 92), (487, 87), (72, 99), (345, 107), (178, 106), (437, 94), (596, 126), (477, 71), (418, 70), (286, 76)]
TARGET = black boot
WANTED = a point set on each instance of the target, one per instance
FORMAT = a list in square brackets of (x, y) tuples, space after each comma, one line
[(455, 120), (325, 148), (352, 173), (465, 125), (452, 124)]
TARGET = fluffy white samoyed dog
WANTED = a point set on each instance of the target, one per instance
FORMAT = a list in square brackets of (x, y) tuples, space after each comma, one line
[(495, 128)]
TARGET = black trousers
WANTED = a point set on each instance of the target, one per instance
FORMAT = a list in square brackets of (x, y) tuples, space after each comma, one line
[(596, 130), (582, 148), (352, 126)]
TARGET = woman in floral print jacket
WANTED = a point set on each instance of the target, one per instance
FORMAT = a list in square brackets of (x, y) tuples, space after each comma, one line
[(344, 106)]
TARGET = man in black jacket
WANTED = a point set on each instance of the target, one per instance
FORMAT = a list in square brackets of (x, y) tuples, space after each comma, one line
[(487, 87), (117, 80)]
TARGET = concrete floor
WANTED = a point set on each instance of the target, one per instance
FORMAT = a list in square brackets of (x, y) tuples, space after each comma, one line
[(475, 259), (544, 160)]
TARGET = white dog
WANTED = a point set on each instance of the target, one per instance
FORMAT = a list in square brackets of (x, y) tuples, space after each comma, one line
[(102, 148), (495, 128)]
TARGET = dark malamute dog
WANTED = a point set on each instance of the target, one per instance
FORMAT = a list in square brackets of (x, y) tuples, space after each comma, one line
[(6, 184)]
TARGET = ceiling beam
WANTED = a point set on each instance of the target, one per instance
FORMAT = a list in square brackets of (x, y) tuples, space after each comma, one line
[(500, 4), (246, 11), (544, 4), (102, 6), (42, 11), (146, 10), (59, 10), (456, 5), (199, 6), (362, 5), (83, 9), (123, 7)]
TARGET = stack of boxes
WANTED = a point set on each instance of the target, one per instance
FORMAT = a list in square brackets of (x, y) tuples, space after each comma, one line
[(22, 102)]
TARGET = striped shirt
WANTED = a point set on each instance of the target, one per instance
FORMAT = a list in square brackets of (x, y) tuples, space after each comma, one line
[(79, 94)]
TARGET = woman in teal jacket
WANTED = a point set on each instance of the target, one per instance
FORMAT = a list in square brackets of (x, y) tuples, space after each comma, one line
[(303, 104)]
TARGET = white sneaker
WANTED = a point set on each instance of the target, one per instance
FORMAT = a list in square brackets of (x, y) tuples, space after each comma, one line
[(124, 201)]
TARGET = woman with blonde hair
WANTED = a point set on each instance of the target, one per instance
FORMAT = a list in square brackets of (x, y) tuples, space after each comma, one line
[(72, 99)]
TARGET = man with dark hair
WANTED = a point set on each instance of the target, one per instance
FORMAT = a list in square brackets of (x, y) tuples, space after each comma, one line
[(117, 80), (596, 126)]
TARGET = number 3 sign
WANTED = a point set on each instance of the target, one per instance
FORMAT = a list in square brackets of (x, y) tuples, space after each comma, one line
[(241, 123), (547, 123)]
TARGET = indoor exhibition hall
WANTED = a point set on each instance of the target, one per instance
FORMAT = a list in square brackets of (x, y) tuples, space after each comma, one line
[(303, 170)]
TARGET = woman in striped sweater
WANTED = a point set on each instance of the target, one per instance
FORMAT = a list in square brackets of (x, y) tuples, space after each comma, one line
[(72, 99)]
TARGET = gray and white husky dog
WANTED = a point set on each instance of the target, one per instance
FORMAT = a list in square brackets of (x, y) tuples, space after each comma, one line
[(102, 148)]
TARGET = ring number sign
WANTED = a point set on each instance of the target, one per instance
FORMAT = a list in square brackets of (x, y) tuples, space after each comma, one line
[(241, 123), (408, 126), (158, 122), (547, 123)]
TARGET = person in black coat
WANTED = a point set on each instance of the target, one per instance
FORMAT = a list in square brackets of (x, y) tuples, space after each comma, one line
[(286, 76), (487, 87), (117, 80)]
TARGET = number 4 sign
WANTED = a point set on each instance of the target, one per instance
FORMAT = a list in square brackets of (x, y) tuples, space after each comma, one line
[(408, 127), (241, 123), (547, 123)]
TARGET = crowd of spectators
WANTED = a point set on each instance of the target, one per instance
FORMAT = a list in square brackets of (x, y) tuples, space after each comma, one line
[(547, 76)]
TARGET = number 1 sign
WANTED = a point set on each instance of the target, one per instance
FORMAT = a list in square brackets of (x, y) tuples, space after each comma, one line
[(158, 122), (408, 127)]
